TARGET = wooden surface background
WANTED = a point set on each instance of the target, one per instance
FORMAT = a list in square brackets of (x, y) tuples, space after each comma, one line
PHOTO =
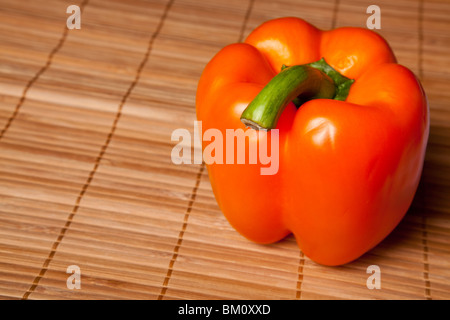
[(86, 177)]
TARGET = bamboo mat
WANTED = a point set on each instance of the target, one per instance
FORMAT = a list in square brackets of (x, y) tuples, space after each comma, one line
[(86, 176)]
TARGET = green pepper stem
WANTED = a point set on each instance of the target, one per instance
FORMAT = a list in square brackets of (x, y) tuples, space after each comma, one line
[(316, 80)]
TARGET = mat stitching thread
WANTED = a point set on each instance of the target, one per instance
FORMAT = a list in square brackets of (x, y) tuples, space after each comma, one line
[(37, 75), (426, 266), (420, 34), (99, 157), (194, 190), (335, 12), (301, 263), (181, 234), (247, 16)]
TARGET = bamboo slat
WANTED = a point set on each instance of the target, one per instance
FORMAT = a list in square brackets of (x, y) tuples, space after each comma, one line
[(86, 177)]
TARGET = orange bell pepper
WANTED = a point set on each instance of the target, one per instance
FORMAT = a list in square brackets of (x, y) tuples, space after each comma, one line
[(350, 159)]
